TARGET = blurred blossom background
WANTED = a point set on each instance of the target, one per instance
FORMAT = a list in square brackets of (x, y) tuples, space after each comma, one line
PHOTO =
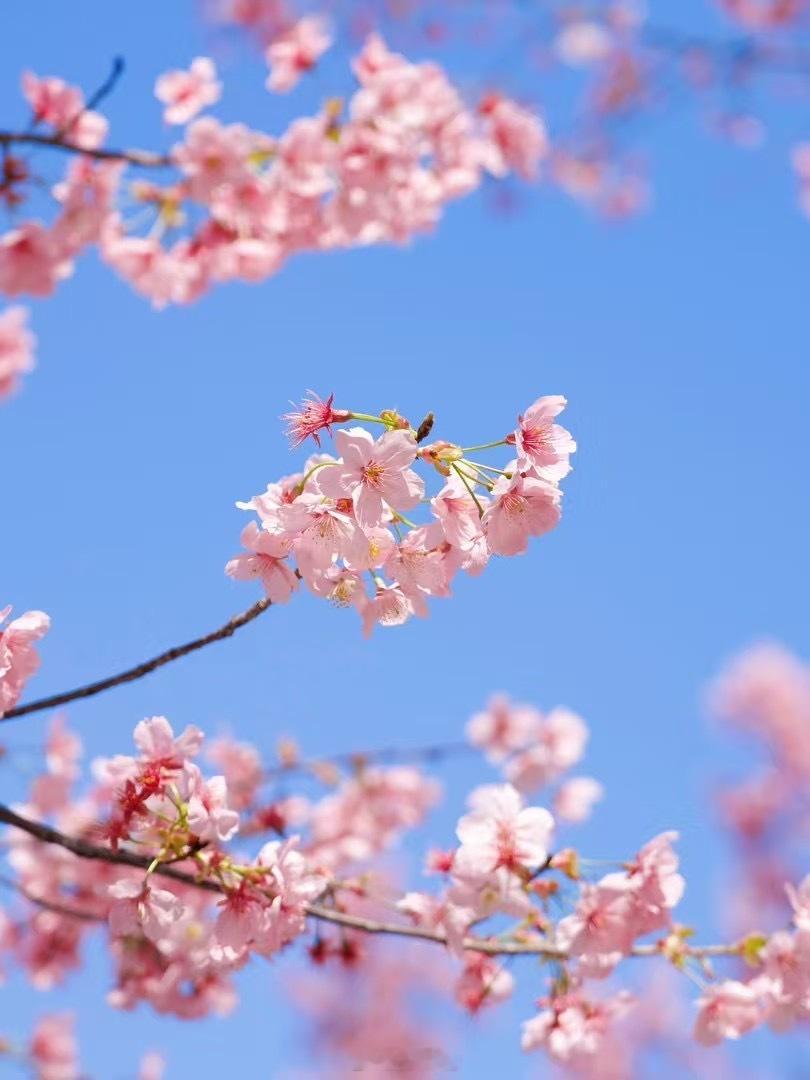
[(679, 335)]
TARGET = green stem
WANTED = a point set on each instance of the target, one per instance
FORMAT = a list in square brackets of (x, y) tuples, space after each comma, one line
[(488, 468), (314, 469), (368, 418), (469, 489), (475, 479), (484, 446)]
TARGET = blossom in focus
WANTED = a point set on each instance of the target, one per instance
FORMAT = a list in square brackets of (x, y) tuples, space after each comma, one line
[(311, 417), (542, 444), (500, 832), (522, 506), (16, 349), (375, 475), (265, 561), (186, 93)]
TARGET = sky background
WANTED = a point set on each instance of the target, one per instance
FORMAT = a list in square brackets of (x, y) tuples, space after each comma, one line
[(680, 340)]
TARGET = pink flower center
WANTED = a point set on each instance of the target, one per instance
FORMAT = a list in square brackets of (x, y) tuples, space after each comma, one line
[(513, 504), (373, 474)]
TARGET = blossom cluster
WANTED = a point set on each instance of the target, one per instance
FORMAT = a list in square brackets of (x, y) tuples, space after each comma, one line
[(52, 1051), (186, 897), (765, 695), (242, 201), (612, 61), (343, 517)]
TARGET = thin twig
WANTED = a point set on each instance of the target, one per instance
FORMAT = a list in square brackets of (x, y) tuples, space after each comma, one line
[(144, 159), (492, 947), (358, 759), (144, 668)]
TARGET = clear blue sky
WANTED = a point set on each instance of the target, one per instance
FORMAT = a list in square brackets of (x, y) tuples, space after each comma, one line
[(681, 341)]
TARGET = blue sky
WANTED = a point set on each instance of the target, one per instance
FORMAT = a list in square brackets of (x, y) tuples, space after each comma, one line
[(680, 340)]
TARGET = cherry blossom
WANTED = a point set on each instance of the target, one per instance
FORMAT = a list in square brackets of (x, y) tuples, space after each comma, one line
[(295, 52), (186, 93), (62, 107), (503, 728), (54, 1049), (265, 562), (727, 1010), (523, 506), (576, 797), (374, 474), (573, 1029), (541, 444), (17, 345), (19, 659)]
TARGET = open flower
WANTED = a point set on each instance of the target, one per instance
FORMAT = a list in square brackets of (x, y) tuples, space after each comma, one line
[(522, 506), (185, 93), (265, 562), (296, 51), (375, 475)]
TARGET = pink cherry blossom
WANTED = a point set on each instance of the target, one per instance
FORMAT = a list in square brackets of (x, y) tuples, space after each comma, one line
[(374, 474), (522, 506), (209, 815), (138, 908), (19, 659), (157, 743), (56, 103), (266, 562), (727, 1010), (17, 345), (458, 514), (541, 444), (573, 1030), (559, 743), (296, 51), (241, 765), (518, 137), (152, 1066), (621, 907), (503, 727), (311, 417), (501, 833), (54, 1050), (484, 981), (576, 798), (443, 917), (31, 261), (186, 93)]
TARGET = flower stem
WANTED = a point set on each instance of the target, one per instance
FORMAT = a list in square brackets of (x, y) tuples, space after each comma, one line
[(466, 484), (484, 446)]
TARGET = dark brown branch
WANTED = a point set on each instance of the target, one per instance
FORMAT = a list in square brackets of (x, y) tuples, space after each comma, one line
[(143, 159), (493, 947), (145, 668)]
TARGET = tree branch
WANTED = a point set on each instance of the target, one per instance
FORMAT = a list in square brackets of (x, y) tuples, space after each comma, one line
[(144, 159), (145, 668), (491, 947)]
